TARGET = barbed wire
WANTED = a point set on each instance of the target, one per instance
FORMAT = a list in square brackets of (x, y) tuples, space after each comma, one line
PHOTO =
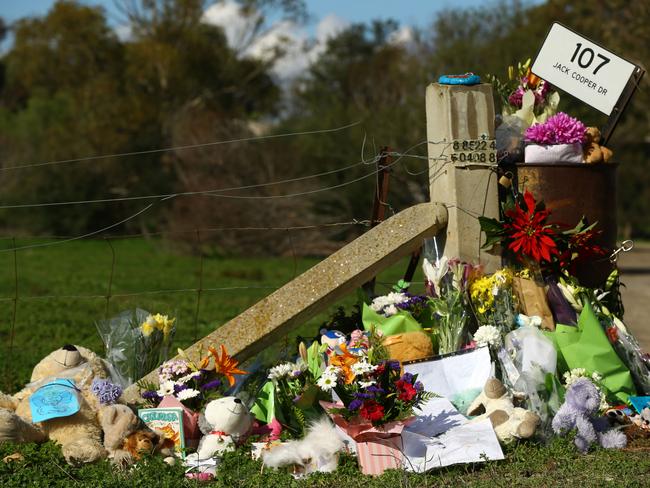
[(179, 148)]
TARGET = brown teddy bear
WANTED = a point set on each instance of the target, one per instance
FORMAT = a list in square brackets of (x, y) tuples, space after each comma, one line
[(60, 394), (592, 151)]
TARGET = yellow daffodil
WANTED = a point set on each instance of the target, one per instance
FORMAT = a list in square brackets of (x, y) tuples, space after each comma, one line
[(147, 328)]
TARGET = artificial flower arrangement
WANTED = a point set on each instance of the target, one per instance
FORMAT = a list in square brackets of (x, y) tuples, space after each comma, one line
[(559, 139), (136, 343)]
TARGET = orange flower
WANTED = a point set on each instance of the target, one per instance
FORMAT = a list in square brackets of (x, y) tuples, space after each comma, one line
[(224, 364), (344, 361)]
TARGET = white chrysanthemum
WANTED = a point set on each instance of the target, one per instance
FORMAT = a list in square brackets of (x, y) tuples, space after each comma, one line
[(366, 384), (166, 388), (488, 335), (184, 379), (382, 303), (362, 367), (280, 371), (187, 394), (326, 382)]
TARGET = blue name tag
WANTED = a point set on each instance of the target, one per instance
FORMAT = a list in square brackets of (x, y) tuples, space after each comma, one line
[(55, 399)]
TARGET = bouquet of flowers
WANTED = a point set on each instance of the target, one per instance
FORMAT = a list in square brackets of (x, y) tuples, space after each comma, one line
[(447, 281), (493, 301), (525, 94), (375, 394), (529, 239), (291, 394), (136, 343), (194, 385)]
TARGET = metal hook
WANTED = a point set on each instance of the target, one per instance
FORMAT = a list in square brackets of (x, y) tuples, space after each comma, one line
[(626, 246)]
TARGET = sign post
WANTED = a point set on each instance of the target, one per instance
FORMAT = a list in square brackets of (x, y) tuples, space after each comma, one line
[(587, 71)]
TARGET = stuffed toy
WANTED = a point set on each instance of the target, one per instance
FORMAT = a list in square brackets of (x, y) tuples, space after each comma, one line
[(509, 422), (581, 404), (593, 152), (408, 346), (225, 423), (58, 404), (316, 452)]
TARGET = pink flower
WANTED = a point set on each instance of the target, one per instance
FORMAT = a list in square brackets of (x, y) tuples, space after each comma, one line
[(559, 129)]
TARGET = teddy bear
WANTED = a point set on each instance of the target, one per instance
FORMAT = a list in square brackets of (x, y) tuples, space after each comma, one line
[(225, 423), (509, 422), (316, 452), (581, 404), (593, 152), (127, 439), (58, 404)]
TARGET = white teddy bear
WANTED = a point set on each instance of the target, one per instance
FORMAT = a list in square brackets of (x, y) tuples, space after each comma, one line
[(225, 422)]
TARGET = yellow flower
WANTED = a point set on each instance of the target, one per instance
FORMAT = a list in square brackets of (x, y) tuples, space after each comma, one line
[(147, 328)]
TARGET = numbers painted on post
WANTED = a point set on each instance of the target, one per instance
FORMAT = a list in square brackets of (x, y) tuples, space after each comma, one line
[(481, 151), (586, 57)]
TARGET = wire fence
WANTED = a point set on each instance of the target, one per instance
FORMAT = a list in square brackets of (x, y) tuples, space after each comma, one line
[(18, 246)]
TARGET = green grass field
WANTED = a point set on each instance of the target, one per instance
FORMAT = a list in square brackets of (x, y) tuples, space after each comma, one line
[(47, 316)]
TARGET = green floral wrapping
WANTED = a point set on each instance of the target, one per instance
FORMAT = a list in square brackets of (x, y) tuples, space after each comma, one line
[(396, 324), (588, 347)]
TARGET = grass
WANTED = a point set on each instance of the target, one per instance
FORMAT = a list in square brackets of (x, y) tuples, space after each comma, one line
[(46, 319)]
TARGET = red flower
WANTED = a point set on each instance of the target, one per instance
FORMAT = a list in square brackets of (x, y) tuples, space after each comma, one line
[(406, 390), (371, 410), (612, 333), (529, 232)]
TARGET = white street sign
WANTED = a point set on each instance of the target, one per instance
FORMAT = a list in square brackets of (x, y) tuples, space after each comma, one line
[(582, 68)]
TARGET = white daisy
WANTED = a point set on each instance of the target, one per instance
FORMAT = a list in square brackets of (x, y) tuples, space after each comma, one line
[(166, 388), (187, 394)]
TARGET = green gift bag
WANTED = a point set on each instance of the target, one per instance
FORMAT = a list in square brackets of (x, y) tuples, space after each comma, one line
[(587, 346), (396, 324)]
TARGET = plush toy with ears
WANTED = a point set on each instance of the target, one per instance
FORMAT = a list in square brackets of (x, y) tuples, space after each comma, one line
[(58, 404), (225, 423), (593, 152), (578, 411), (509, 422)]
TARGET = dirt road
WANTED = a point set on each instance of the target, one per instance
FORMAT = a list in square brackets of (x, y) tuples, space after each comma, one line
[(635, 275)]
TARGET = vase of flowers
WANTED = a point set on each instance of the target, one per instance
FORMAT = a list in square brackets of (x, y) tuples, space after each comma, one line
[(559, 139)]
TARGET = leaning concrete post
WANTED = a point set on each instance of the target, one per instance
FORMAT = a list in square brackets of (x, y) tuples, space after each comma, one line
[(462, 165)]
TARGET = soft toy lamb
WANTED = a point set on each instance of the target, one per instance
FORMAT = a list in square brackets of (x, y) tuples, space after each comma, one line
[(317, 452), (509, 422), (226, 422), (60, 398), (581, 403)]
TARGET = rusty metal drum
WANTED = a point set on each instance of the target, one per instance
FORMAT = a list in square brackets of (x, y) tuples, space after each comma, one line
[(572, 190)]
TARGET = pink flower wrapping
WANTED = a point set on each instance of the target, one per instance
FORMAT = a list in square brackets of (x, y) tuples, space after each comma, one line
[(378, 448)]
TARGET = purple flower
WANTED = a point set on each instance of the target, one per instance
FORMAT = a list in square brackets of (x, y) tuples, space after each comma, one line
[(418, 386), (105, 391), (375, 390), (394, 365), (408, 377), (151, 395), (211, 385), (516, 98), (365, 396), (354, 405), (179, 387), (559, 129), (296, 373)]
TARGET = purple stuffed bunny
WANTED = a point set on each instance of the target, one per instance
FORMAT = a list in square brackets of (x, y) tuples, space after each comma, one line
[(580, 405)]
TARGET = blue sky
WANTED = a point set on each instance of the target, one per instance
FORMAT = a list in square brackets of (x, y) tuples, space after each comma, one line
[(411, 12)]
